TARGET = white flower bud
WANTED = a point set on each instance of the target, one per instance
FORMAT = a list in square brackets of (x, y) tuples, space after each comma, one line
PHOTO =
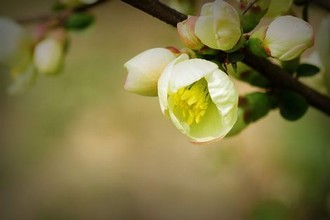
[(144, 70), (186, 30), (218, 26), (287, 37), (48, 56)]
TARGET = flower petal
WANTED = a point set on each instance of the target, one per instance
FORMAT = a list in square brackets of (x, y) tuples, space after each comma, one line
[(163, 82), (188, 72)]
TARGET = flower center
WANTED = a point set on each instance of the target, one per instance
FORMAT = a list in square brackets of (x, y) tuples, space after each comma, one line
[(192, 101)]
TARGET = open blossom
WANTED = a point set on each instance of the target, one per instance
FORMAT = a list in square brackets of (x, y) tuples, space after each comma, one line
[(287, 37), (144, 70), (199, 98), (218, 26)]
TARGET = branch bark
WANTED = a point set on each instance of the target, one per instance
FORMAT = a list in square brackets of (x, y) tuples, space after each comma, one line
[(278, 76)]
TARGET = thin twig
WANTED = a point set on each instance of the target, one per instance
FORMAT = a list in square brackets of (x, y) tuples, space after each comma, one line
[(249, 7)]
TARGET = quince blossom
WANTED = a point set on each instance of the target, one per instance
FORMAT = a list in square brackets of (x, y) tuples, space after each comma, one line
[(199, 98), (218, 26), (144, 70), (287, 37)]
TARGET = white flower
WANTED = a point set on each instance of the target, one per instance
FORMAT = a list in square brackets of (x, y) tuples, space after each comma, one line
[(287, 37), (15, 46), (48, 56), (218, 26), (144, 70), (199, 98)]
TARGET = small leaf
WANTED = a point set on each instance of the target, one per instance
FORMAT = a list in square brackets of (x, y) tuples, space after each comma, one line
[(255, 46), (292, 105), (305, 69), (257, 105), (254, 78), (79, 21), (291, 65)]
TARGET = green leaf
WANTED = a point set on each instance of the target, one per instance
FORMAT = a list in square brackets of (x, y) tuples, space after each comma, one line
[(255, 46), (254, 78), (291, 65), (257, 105), (292, 105), (305, 69), (79, 21)]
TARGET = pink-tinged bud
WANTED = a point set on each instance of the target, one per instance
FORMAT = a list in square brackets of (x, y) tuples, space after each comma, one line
[(145, 69), (218, 26), (287, 37), (186, 30)]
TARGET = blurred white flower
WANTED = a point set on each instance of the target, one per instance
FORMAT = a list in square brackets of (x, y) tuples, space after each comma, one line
[(15, 49), (48, 56), (199, 98)]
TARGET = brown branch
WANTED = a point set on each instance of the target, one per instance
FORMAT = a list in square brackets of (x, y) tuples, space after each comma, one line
[(282, 79), (158, 10), (278, 76)]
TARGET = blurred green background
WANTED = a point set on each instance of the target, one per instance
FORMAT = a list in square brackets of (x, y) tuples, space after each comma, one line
[(78, 146)]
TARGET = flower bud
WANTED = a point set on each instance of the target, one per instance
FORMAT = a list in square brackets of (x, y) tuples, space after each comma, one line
[(48, 56), (287, 37), (144, 70), (218, 26), (186, 30)]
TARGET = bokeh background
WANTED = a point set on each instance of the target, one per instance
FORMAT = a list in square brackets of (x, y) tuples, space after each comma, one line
[(78, 146)]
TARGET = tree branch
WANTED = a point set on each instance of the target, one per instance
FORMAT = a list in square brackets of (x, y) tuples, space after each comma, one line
[(278, 76), (158, 10)]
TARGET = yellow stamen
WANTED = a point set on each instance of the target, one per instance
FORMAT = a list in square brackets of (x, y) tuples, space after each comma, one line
[(192, 101)]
